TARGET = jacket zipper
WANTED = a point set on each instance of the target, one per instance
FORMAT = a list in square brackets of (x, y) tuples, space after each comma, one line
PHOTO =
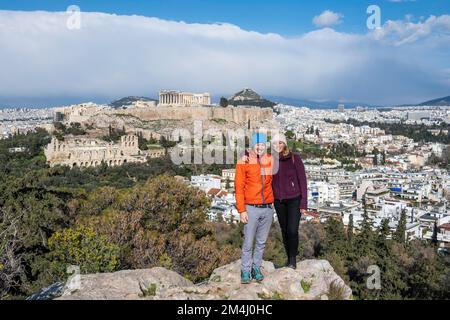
[(262, 180), (279, 178)]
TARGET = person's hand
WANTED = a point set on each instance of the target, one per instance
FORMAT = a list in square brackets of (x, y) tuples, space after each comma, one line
[(302, 211), (244, 217), (244, 158)]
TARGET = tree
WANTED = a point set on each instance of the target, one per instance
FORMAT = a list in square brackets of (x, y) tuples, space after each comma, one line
[(142, 142), (159, 221), (383, 233), (350, 229), (425, 271), (382, 242), (165, 143), (335, 236), (434, 237), (400, 232), (290, 134), (82, 247), (223, 102), (365, 238), (29, 215), (11, 260)]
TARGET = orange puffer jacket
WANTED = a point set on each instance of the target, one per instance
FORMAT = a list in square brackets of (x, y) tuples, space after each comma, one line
[(253, 181)]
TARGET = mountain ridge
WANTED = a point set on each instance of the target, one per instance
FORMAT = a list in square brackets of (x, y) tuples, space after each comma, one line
[(439, 102)]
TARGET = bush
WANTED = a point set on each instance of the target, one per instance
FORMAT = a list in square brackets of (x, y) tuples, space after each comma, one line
[(158, 223), (82, 247)]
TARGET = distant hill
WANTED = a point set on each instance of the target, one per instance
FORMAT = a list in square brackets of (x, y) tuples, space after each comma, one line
[(437, 102), (248, 97), (328, 104), (127, 101)]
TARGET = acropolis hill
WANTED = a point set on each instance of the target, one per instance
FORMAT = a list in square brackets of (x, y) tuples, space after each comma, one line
[(175, 109)]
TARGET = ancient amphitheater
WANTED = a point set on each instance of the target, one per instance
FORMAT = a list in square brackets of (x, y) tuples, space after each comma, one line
[(88, 152)]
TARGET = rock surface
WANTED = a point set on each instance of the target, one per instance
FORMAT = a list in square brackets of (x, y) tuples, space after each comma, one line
[(125, 285), (313, 279)]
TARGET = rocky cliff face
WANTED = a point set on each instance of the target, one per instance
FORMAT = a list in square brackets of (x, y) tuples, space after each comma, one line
[(313, 279)]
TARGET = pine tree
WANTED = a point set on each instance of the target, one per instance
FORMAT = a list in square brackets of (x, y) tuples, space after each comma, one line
[(384, 230), (335, 236), (223, 102), (350, 229), (382, 238), (365, 243), (399, 234), (434, 238)]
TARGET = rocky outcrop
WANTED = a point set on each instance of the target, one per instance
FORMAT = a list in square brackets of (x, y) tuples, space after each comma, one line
[(313, 279), (124, 285)]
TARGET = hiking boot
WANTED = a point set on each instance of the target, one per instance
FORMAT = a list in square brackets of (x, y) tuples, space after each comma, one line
[(288, 262), (257, 275), (292, 262), (246, 277)]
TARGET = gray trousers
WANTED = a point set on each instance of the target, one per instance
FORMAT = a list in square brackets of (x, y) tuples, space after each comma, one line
[(256, 230)]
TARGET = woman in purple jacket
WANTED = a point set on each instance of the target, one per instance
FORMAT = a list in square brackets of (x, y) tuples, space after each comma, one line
[(290, 190)]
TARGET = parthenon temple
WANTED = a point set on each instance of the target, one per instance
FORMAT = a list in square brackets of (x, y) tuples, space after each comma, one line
[(179, 98)]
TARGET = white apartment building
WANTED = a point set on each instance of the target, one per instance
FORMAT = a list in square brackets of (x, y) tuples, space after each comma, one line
[(322, 192), (206, 182), (228, 175)]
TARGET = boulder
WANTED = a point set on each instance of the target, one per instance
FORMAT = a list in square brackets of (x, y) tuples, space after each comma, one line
[(125, 285), (312, 280)]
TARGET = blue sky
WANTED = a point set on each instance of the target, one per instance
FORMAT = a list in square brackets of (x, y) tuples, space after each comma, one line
[(312, 50), (286, 17)]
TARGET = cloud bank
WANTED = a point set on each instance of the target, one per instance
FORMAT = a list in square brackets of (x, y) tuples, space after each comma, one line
[(114, 56)]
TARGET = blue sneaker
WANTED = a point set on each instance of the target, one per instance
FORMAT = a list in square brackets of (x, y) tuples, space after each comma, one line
[(246, 277), (257, 275)]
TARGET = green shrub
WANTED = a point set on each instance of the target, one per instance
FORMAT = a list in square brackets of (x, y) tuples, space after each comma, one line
[(82, 247)]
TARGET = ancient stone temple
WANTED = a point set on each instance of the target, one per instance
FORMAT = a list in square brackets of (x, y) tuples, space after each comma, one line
[(89, 152), (179, 98)]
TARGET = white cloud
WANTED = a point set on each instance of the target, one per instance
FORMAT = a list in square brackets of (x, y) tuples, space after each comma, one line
[(327, 19), (113, 56), (401, 32)]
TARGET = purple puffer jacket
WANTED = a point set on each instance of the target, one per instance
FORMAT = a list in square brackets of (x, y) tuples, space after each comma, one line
[(290, 180)]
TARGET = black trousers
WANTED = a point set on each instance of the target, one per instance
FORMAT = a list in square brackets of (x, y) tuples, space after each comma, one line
[(288, 212)]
